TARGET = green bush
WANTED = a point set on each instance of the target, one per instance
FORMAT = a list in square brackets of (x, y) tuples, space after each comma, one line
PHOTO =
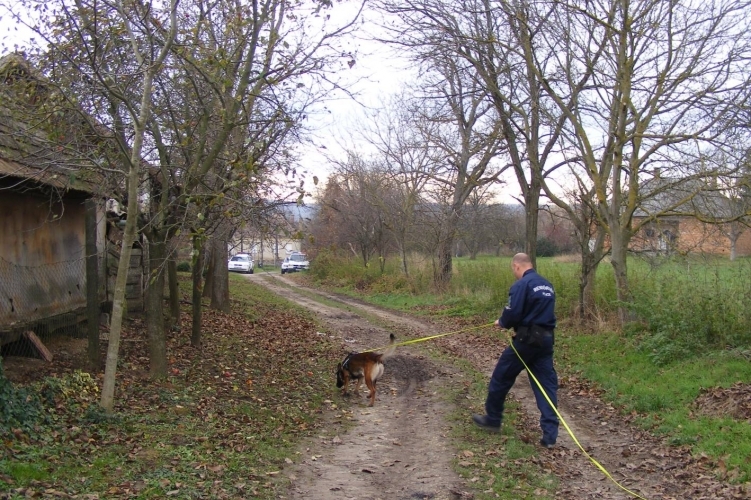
[(332, 268), (183, 267), (29, 409), (547, 248)]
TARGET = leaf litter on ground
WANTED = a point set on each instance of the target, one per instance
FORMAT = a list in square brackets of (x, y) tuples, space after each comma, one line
[(221, 424)]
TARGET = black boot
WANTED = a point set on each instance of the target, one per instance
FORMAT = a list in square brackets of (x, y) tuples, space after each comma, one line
[(484, 422)]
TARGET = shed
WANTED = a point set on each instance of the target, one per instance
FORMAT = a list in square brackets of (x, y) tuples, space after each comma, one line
[(48, 192)]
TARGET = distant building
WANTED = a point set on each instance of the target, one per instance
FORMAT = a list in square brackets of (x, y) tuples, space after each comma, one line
[(283, 234), (687, 222)]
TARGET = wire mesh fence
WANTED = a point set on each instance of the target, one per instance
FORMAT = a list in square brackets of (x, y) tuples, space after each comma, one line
[(39, 302)]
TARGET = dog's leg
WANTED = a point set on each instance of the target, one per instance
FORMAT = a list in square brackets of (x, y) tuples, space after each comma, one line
[(345, 378), (371, 376), (358, 382), (372, 386)]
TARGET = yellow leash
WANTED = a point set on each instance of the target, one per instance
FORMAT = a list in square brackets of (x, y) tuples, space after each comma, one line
[(563, 421), (570, 432), (423, 339)]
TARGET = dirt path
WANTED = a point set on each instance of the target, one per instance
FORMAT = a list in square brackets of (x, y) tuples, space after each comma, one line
[(398, 449)]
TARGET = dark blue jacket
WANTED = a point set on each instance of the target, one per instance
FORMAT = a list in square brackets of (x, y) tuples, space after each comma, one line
[(531, 301)]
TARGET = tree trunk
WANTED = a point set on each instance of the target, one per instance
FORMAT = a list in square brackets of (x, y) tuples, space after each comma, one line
[(195, 337), (474, 249), (591, 258), (442, 275), (734, 235), (155, 310), (445, 264), (531, 218), (208, 264), (401, 243), (403, 252), (92, 288), (174, 294), (107, 400), (219, 291), (134, 173), (620, 268)]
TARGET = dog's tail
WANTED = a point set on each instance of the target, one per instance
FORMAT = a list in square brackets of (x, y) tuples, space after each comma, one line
[(390, 349)]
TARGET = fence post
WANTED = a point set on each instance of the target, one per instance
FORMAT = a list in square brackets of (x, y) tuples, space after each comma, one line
[(92, 286)]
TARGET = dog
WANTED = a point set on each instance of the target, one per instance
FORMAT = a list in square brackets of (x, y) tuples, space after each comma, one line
[(363, 365)]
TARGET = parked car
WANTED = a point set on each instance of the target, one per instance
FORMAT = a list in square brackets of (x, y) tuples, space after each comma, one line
[(296, 261), (241, 263)]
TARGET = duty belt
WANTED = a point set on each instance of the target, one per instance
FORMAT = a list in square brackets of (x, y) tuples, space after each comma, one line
[(532, 335)]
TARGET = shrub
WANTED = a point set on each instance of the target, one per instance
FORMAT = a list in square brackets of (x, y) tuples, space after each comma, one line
[(684, 312), (183, 267), (547, 248), (29, 409), (21, 408)]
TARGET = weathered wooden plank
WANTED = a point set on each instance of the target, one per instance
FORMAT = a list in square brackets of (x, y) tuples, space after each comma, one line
[(44, 353)]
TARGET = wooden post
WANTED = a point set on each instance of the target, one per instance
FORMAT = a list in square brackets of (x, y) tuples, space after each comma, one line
[(92, 286)]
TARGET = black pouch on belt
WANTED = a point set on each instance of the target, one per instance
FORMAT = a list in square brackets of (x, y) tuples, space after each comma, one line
[(523, 334), (532, 335)]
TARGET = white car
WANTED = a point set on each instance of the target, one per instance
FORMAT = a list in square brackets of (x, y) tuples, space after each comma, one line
[(296, 261), (241, 263)]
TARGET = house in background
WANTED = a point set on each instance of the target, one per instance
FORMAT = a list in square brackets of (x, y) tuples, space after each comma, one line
[(686, 224), (283, 236)]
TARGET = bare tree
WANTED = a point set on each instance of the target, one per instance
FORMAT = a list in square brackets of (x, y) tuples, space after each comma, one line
[(469, 138), (407, 159), (234, 88), (663, 81), (245, 76), (357, 208), (143, 35), (496, 41), (474, 230)]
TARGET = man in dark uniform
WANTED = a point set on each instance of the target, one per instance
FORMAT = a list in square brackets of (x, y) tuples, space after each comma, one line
[(530, 312)]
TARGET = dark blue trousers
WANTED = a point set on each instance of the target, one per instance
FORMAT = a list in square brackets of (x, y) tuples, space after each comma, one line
[(540, 362)]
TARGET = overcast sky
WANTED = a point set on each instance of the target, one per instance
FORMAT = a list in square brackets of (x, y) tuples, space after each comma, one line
[(375, 74), (378, 72)]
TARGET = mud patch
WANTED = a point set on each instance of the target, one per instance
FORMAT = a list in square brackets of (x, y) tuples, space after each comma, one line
[(414, 368)]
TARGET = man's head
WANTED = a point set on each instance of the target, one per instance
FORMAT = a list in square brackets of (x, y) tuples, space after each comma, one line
[(520, 264)]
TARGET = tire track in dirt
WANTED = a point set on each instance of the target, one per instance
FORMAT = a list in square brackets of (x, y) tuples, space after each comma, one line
[(639, 461), (397, 449)]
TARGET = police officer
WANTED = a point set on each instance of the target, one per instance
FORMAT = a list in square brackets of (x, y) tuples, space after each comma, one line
[(530, 312)]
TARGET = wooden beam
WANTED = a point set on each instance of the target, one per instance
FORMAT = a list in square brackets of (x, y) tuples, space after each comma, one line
[(44, 353)]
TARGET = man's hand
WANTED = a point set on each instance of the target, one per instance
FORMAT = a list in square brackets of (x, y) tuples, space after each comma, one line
[(510, 333)]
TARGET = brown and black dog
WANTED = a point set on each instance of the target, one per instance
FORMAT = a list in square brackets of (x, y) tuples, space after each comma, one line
[(363, 365)]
